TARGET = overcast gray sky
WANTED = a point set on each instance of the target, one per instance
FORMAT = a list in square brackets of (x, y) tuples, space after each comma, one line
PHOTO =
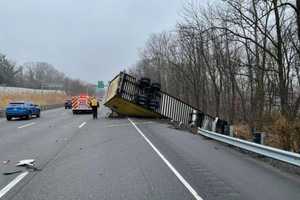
[(87, 39)]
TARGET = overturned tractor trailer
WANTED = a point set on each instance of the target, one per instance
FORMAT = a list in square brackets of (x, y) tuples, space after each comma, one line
[(128, 96)]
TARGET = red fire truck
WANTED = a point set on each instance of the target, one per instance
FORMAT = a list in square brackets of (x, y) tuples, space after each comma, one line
[(81, 104)]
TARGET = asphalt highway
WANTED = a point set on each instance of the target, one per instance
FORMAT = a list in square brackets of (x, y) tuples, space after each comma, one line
[(82, 158)]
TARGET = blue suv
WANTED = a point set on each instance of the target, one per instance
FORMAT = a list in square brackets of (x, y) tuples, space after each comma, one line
[(22, 109)]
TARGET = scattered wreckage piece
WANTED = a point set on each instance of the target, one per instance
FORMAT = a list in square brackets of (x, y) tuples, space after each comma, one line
[(28, 164)]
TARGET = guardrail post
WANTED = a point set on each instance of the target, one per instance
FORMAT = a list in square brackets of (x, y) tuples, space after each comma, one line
[(231, 131)]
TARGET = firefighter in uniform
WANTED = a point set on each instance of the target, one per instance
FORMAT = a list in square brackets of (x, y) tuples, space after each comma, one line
[(94, 104)]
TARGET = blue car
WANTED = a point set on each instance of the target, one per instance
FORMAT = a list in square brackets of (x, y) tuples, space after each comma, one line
[(22, 109)]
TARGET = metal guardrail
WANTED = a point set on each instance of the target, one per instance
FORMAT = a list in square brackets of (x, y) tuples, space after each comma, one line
[(285, 156)]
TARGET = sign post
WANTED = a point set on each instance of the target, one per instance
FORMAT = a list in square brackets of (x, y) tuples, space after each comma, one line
[(100, 90)]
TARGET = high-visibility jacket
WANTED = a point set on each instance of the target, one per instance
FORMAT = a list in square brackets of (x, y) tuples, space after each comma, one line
[(94, 102)]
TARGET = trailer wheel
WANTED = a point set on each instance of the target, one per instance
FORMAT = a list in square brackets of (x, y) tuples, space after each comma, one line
[(148, 91), (142, 103), (141, 99), (144, 82), (153, 104), (158, 94), (156, 87)]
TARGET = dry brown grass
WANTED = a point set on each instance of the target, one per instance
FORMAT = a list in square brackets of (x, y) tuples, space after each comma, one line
[(242, 131), (279, 132), (41, 98), (283, 133)]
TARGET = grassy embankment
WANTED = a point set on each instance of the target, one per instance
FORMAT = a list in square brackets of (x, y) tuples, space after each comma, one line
[(279, 132), (40, 97)]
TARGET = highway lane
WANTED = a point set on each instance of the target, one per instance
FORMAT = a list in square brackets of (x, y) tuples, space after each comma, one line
[(217, 170), (49, 115), (105, 162), (83, 158), (40, 141)]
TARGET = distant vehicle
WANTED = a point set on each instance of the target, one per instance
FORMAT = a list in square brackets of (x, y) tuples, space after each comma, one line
[(81, 104), (68, 104), (22, 109)]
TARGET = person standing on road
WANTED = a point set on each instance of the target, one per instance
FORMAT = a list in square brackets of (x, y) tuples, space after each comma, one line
[(95, 105)]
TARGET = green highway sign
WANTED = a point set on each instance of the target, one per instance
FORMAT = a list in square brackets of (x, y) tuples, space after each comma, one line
[(100, 84)]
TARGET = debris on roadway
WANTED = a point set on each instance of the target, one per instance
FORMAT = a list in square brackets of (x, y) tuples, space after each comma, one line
[(28, 164), (12, 172), (5, 162)]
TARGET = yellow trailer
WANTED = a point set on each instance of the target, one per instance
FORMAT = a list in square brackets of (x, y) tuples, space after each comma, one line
[(140, 98), (130, 97), (115, 98)]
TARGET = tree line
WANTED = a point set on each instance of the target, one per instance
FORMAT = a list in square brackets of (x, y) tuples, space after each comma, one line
[(235, 59), (39, 75)]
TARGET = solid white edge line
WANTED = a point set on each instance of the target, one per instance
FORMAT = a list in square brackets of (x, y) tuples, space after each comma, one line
[(172, 168), (81, 125), (26, 125), (14, 182)]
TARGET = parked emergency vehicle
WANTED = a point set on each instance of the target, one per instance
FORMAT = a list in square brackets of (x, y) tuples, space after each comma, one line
[(81, 104)]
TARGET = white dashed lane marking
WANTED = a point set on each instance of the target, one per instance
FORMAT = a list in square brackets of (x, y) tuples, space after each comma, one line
[(82, 125), (26, 125)]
